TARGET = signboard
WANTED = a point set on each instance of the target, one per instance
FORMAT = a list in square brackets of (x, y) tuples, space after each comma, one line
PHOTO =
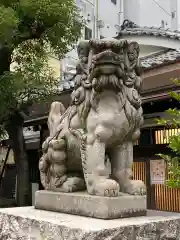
[(158, 171)]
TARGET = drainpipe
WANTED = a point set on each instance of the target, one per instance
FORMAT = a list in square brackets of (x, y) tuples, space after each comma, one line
[(94, 19), (121, 13), (174, 14), (96, 5)]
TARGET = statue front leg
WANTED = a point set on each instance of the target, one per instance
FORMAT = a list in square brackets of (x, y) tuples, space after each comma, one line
[(121, 163), (95, 172)]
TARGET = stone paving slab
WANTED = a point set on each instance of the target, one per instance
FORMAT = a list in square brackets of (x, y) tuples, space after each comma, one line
[(28, 223)]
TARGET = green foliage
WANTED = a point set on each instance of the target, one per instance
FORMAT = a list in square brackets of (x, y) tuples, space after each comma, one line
[(33, 77), (8, 24), (55, 22), (173, 170), (174, 122), (29, 29), (31, 81), (173, 160)]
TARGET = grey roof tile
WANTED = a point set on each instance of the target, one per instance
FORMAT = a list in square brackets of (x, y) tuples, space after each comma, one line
[(161, 59), (130, 28), (148, 62)]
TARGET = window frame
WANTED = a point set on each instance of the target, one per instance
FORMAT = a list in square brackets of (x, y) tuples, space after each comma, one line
[(87, 33)]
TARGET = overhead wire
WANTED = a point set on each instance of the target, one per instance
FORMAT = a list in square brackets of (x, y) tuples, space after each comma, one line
[(162, 8)]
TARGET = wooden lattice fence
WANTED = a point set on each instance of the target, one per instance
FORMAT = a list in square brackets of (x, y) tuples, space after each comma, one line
[(165, 198)]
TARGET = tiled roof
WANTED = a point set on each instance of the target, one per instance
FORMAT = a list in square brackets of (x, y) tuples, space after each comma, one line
[(130, 28), (158, 60), (66, 84), (148, 62)]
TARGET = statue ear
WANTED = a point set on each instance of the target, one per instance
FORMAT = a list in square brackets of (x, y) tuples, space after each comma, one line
[(134, 46), (85, 45)]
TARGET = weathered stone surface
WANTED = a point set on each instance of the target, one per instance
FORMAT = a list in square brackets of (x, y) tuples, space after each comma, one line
[(103, 121), (81, 203), (30, 224)]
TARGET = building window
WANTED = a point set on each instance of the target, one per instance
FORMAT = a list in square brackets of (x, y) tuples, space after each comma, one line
[(114, 1), (88, 33), (163, 136)]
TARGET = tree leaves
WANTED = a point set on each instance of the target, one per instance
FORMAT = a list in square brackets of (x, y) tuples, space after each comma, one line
[(8, 25), (56, 22), (33, 77), (30, 29), (174, 144), (173, 160)]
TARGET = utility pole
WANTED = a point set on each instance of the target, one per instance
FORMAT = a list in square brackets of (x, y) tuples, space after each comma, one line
[(96, 18)]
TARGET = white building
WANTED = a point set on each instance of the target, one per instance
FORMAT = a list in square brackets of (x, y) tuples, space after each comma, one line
[(105, 17), (101, 16), (157, 13)]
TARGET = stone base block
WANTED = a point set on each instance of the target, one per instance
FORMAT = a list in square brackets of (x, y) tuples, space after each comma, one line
[(81, 203), (31, 224)]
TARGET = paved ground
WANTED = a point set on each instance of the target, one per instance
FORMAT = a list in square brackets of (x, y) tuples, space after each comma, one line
[(161, 213), (4, 203)]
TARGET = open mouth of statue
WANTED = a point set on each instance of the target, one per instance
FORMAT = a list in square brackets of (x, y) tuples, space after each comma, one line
[(105, 63)]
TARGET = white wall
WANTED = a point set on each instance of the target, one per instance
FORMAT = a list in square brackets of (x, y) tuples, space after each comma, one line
[(178, 13), (104, 10), (87, 9), (142, 12), (148, 13), (93, 10), (110, 14), (152, 15), (132, 10)]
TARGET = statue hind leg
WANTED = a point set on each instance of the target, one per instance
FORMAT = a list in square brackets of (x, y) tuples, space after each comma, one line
[(53, 163), (121, 166)]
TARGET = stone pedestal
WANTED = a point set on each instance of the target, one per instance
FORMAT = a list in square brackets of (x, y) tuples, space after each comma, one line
[(81, 203), (31, 224)]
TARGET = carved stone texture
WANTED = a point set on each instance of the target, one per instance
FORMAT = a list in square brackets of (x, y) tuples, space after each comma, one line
[(101, 123), (128, 24), (30, 224), (81, 203)]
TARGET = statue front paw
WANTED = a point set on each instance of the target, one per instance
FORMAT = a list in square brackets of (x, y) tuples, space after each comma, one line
[(136, 187), (105, 187), (73, 184)]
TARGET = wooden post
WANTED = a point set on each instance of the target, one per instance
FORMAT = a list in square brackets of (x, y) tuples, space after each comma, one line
[(150, 188), (4, 164)]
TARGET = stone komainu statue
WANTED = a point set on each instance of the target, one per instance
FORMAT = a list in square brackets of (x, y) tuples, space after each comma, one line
[(102, 121)]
